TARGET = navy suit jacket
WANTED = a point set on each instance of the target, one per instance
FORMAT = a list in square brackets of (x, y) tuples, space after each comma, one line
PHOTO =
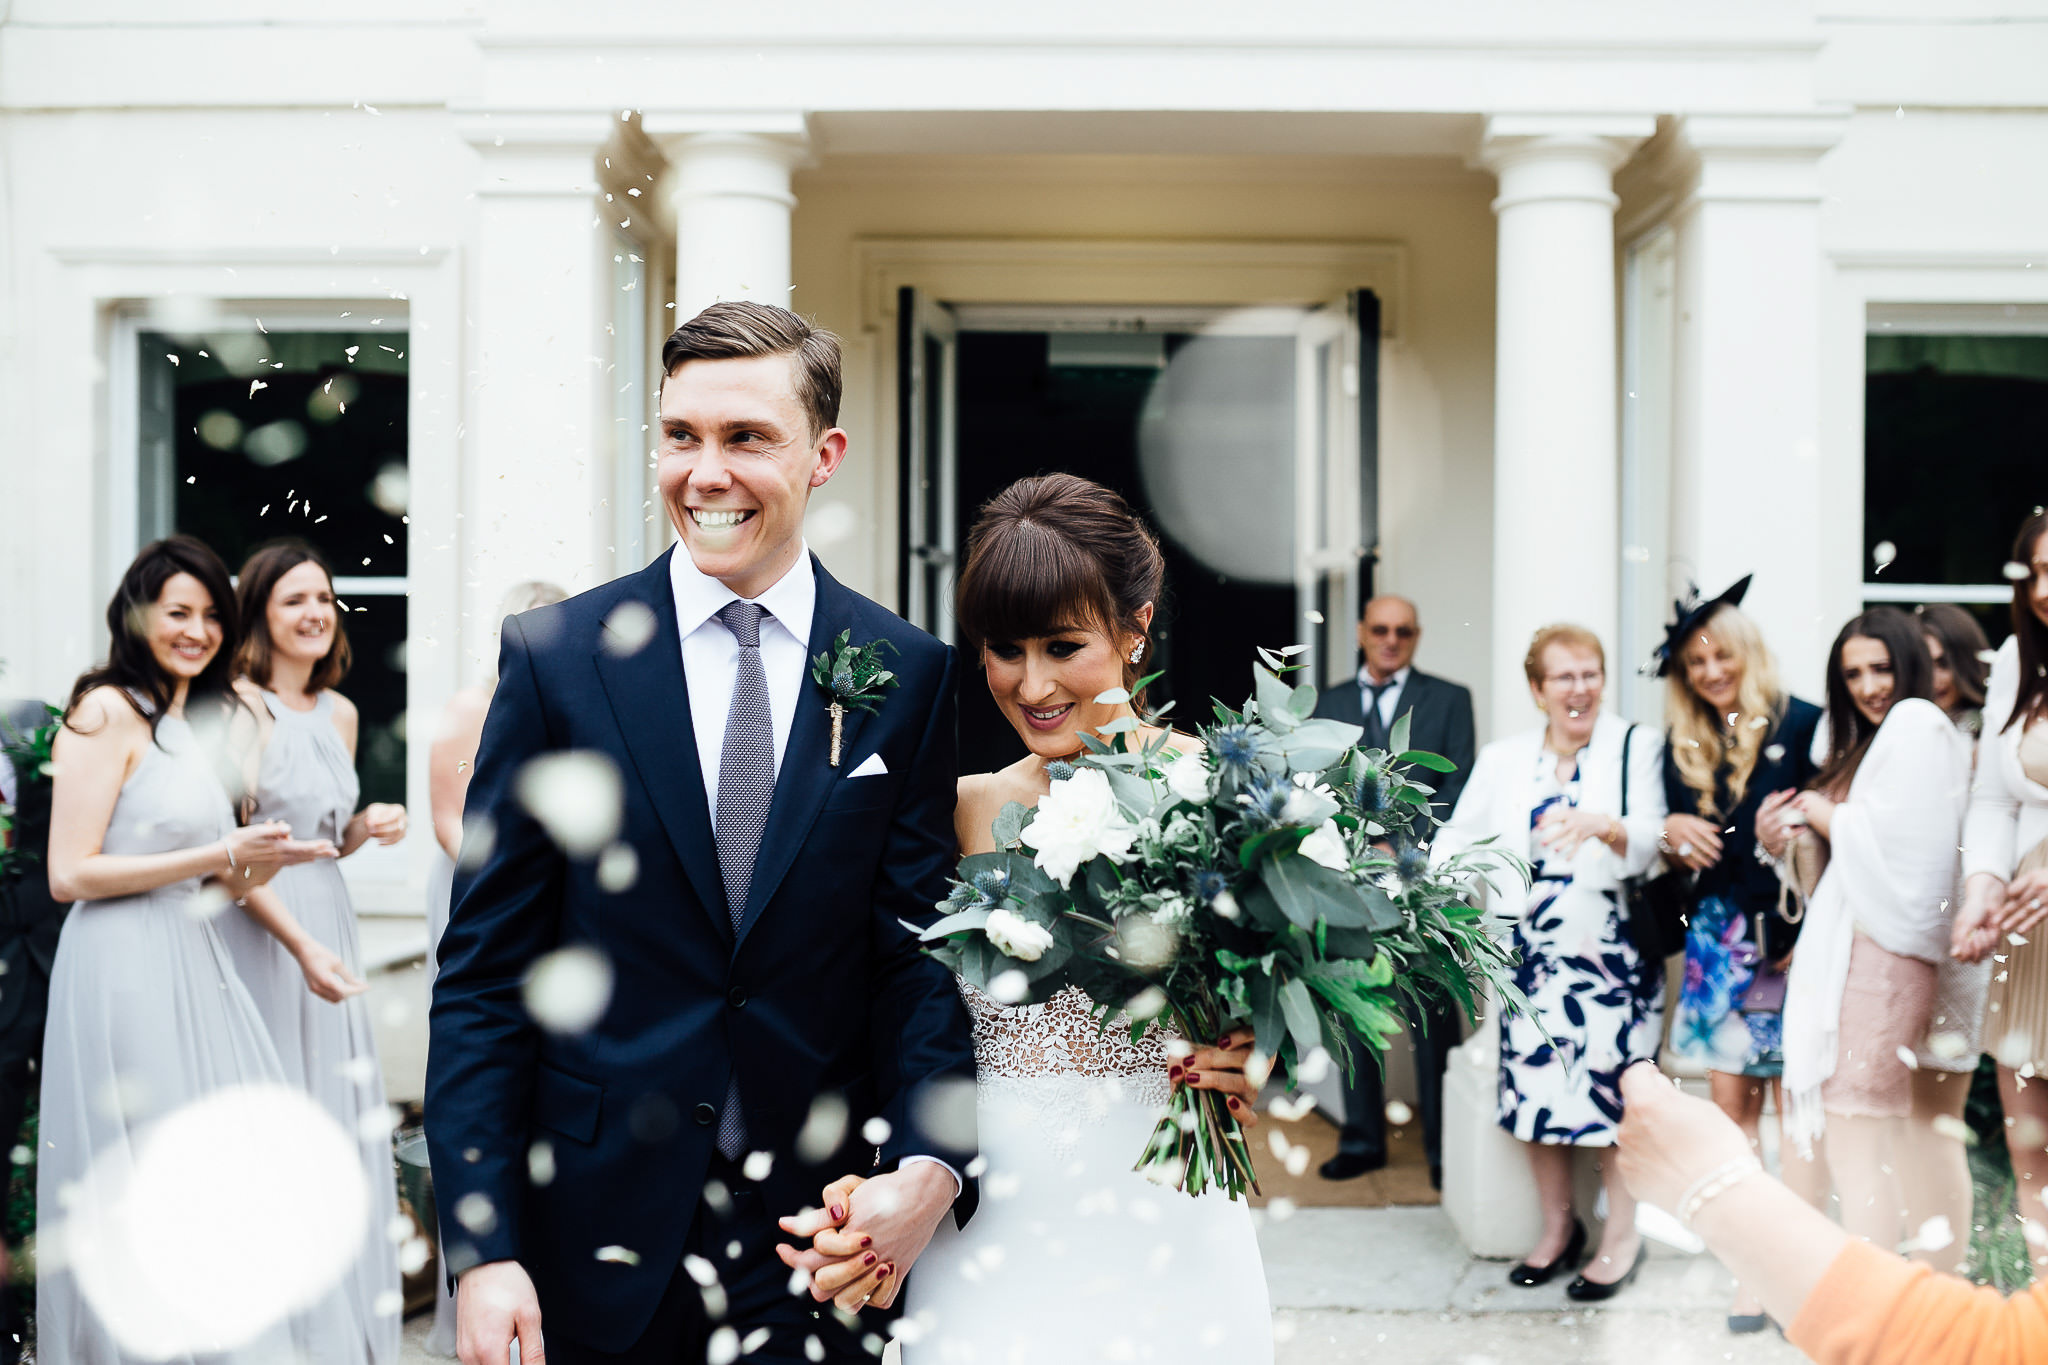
[(1439, 722), (823, 991)]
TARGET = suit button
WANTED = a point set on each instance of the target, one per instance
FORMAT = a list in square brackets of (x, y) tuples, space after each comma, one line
[(705, 1115), (736, 997)]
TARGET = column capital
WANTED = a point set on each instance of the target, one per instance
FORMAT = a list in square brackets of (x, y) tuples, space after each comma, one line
[(711, 156), (1551, 157), (536, 151)]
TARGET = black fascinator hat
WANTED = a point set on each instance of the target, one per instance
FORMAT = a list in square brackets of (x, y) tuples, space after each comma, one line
[(1689, 612)]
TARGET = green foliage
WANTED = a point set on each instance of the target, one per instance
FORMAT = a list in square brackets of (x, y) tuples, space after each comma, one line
[(30, 755), (852, 675), (1210, 900)]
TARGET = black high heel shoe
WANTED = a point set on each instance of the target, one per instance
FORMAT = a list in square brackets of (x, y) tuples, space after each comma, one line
[(1583, 1290), (1529, 1276)]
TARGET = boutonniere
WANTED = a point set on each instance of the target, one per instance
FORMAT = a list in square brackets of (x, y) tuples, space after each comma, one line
[(853, 679)]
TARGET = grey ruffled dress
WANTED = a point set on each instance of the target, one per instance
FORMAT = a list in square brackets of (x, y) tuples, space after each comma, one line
[(308, 780), (145, 1005)]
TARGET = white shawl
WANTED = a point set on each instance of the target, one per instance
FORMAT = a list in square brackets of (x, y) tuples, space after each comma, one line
[(1891, 871)]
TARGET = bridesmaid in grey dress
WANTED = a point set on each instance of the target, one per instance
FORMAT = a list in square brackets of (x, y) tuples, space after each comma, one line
[(146, 1013), (293, 653)]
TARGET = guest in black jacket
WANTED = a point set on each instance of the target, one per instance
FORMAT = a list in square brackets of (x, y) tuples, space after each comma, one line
[(29, 925), (1739, 744), (1439, 722)]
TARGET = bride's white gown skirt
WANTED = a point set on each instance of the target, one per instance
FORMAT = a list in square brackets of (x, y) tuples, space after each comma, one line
[(1073, 1256)]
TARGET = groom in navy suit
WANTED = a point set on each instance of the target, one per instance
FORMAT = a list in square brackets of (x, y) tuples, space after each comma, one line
[(770, 1025)]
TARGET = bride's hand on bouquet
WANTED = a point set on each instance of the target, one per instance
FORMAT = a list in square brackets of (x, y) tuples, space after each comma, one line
[(1222, 1068)]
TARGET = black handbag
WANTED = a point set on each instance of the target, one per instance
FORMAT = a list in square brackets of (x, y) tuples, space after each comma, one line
[(1655, 910)]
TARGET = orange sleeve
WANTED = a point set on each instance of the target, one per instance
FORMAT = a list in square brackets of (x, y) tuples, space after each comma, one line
[(1873, 1308)]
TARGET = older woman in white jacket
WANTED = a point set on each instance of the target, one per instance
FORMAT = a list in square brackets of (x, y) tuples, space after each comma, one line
[(2005, 864), (1555, 795)]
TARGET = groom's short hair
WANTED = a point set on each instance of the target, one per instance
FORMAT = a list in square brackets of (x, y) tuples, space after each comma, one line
[(738, 330)]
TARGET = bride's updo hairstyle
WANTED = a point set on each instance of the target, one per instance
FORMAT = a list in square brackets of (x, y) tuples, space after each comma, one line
[(1055, 553)]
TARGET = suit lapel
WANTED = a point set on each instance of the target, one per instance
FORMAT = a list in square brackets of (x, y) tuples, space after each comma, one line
[(650, 700), (806, 776)]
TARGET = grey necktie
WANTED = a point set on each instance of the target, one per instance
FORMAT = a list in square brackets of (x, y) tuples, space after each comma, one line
[(746, 784), (1376, 728)]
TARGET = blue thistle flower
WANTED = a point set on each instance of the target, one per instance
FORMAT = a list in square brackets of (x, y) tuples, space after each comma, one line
[(1265, 799), (1412, 863), (1369, 791), (1209, 884), (991, 885), (1059, 770), (1236, 750)]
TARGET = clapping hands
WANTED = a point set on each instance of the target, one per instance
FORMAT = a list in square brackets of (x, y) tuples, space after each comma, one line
[(1992, 910)]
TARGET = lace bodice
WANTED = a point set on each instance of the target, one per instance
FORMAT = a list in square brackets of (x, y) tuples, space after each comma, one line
[(1062, 1037)]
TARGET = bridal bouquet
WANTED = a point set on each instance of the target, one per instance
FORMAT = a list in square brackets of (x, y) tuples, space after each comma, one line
[(1243, 882)]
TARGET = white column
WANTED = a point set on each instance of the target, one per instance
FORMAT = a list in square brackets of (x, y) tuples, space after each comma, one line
[(729, 189), (535, 455), (1556, 550), (1747, 495)]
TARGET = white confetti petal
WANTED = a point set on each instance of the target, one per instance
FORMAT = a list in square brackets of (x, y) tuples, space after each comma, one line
[(576, 797), (567, 990)]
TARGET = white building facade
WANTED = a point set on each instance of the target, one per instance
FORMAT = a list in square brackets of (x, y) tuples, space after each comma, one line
[(1529, 314)]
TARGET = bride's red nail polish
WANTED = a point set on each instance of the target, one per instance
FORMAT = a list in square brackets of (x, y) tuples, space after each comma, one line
[(869, 1259), (883, 1273), (867, 1241), (1193, 1077), (837, 1213)]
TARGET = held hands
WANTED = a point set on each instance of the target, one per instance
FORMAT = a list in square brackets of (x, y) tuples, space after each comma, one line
[(1222, 1068), (382, 821), (1775, 821), (1691, 842), (1819, 813), (869, 1233), (495, 1304), (327, 976), (1669, 1139)]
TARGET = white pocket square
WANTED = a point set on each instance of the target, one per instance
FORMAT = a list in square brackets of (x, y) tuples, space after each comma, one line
[(871, 766)]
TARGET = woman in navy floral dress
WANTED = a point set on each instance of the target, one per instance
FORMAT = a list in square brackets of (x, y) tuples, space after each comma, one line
[(1554, 794)]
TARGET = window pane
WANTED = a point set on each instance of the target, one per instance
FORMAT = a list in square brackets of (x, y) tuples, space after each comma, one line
[(257, 436), (1954, 427)]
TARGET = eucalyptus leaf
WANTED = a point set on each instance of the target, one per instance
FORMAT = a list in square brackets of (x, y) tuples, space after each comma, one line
[(1010, 822), (1302, 703), (1115, 696), (1422, 758), (1397, 738), (1122, 725), (959, 923), (1306, 891), (1273, 696), (1299, 1010)]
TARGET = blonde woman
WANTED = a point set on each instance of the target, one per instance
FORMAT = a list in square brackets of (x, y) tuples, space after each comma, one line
[(1554, 794), (1736, 739)]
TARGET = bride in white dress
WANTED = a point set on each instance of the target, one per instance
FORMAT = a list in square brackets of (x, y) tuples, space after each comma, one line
[(1072, 1255)]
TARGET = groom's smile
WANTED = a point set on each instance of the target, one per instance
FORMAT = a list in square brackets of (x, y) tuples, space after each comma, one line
[(738, 459)]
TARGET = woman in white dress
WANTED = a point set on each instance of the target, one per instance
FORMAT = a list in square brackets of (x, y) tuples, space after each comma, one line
[(146, 1013), (1556, 794), (294, 653), (1058, 592), (2005, 867)]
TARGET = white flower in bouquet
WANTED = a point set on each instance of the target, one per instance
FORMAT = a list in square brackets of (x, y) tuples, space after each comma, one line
[(1078, 820), (1326, 846), (1173, 911), (1311, 802), (1016, 936), (1187, 777)]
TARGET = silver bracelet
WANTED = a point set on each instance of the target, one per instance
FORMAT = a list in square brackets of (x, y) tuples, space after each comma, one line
[(228, 849), (1714, 1184)]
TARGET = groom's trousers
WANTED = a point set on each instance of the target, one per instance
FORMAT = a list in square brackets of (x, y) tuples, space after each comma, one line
[(754, 1286)]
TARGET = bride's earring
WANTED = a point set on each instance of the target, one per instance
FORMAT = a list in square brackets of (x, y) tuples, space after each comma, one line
[(1137, 651)]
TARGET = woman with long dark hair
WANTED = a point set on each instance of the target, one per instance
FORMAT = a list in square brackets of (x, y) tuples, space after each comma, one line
[(2005, 864), (294, 654), (146, 1014), (1735, 740), (1889, 803)]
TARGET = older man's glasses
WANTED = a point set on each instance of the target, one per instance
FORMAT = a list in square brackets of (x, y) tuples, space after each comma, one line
[(1382, 631), (1590, 679)]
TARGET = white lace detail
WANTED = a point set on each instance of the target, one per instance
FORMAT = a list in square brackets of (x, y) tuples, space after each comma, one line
[(1058, 1061)]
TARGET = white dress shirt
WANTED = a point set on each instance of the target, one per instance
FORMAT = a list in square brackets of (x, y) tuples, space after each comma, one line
[(711, 656), (1390, 700), (711, 665)]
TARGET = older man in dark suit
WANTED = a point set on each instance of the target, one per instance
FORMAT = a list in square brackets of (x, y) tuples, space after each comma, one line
[(1439, 721)]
